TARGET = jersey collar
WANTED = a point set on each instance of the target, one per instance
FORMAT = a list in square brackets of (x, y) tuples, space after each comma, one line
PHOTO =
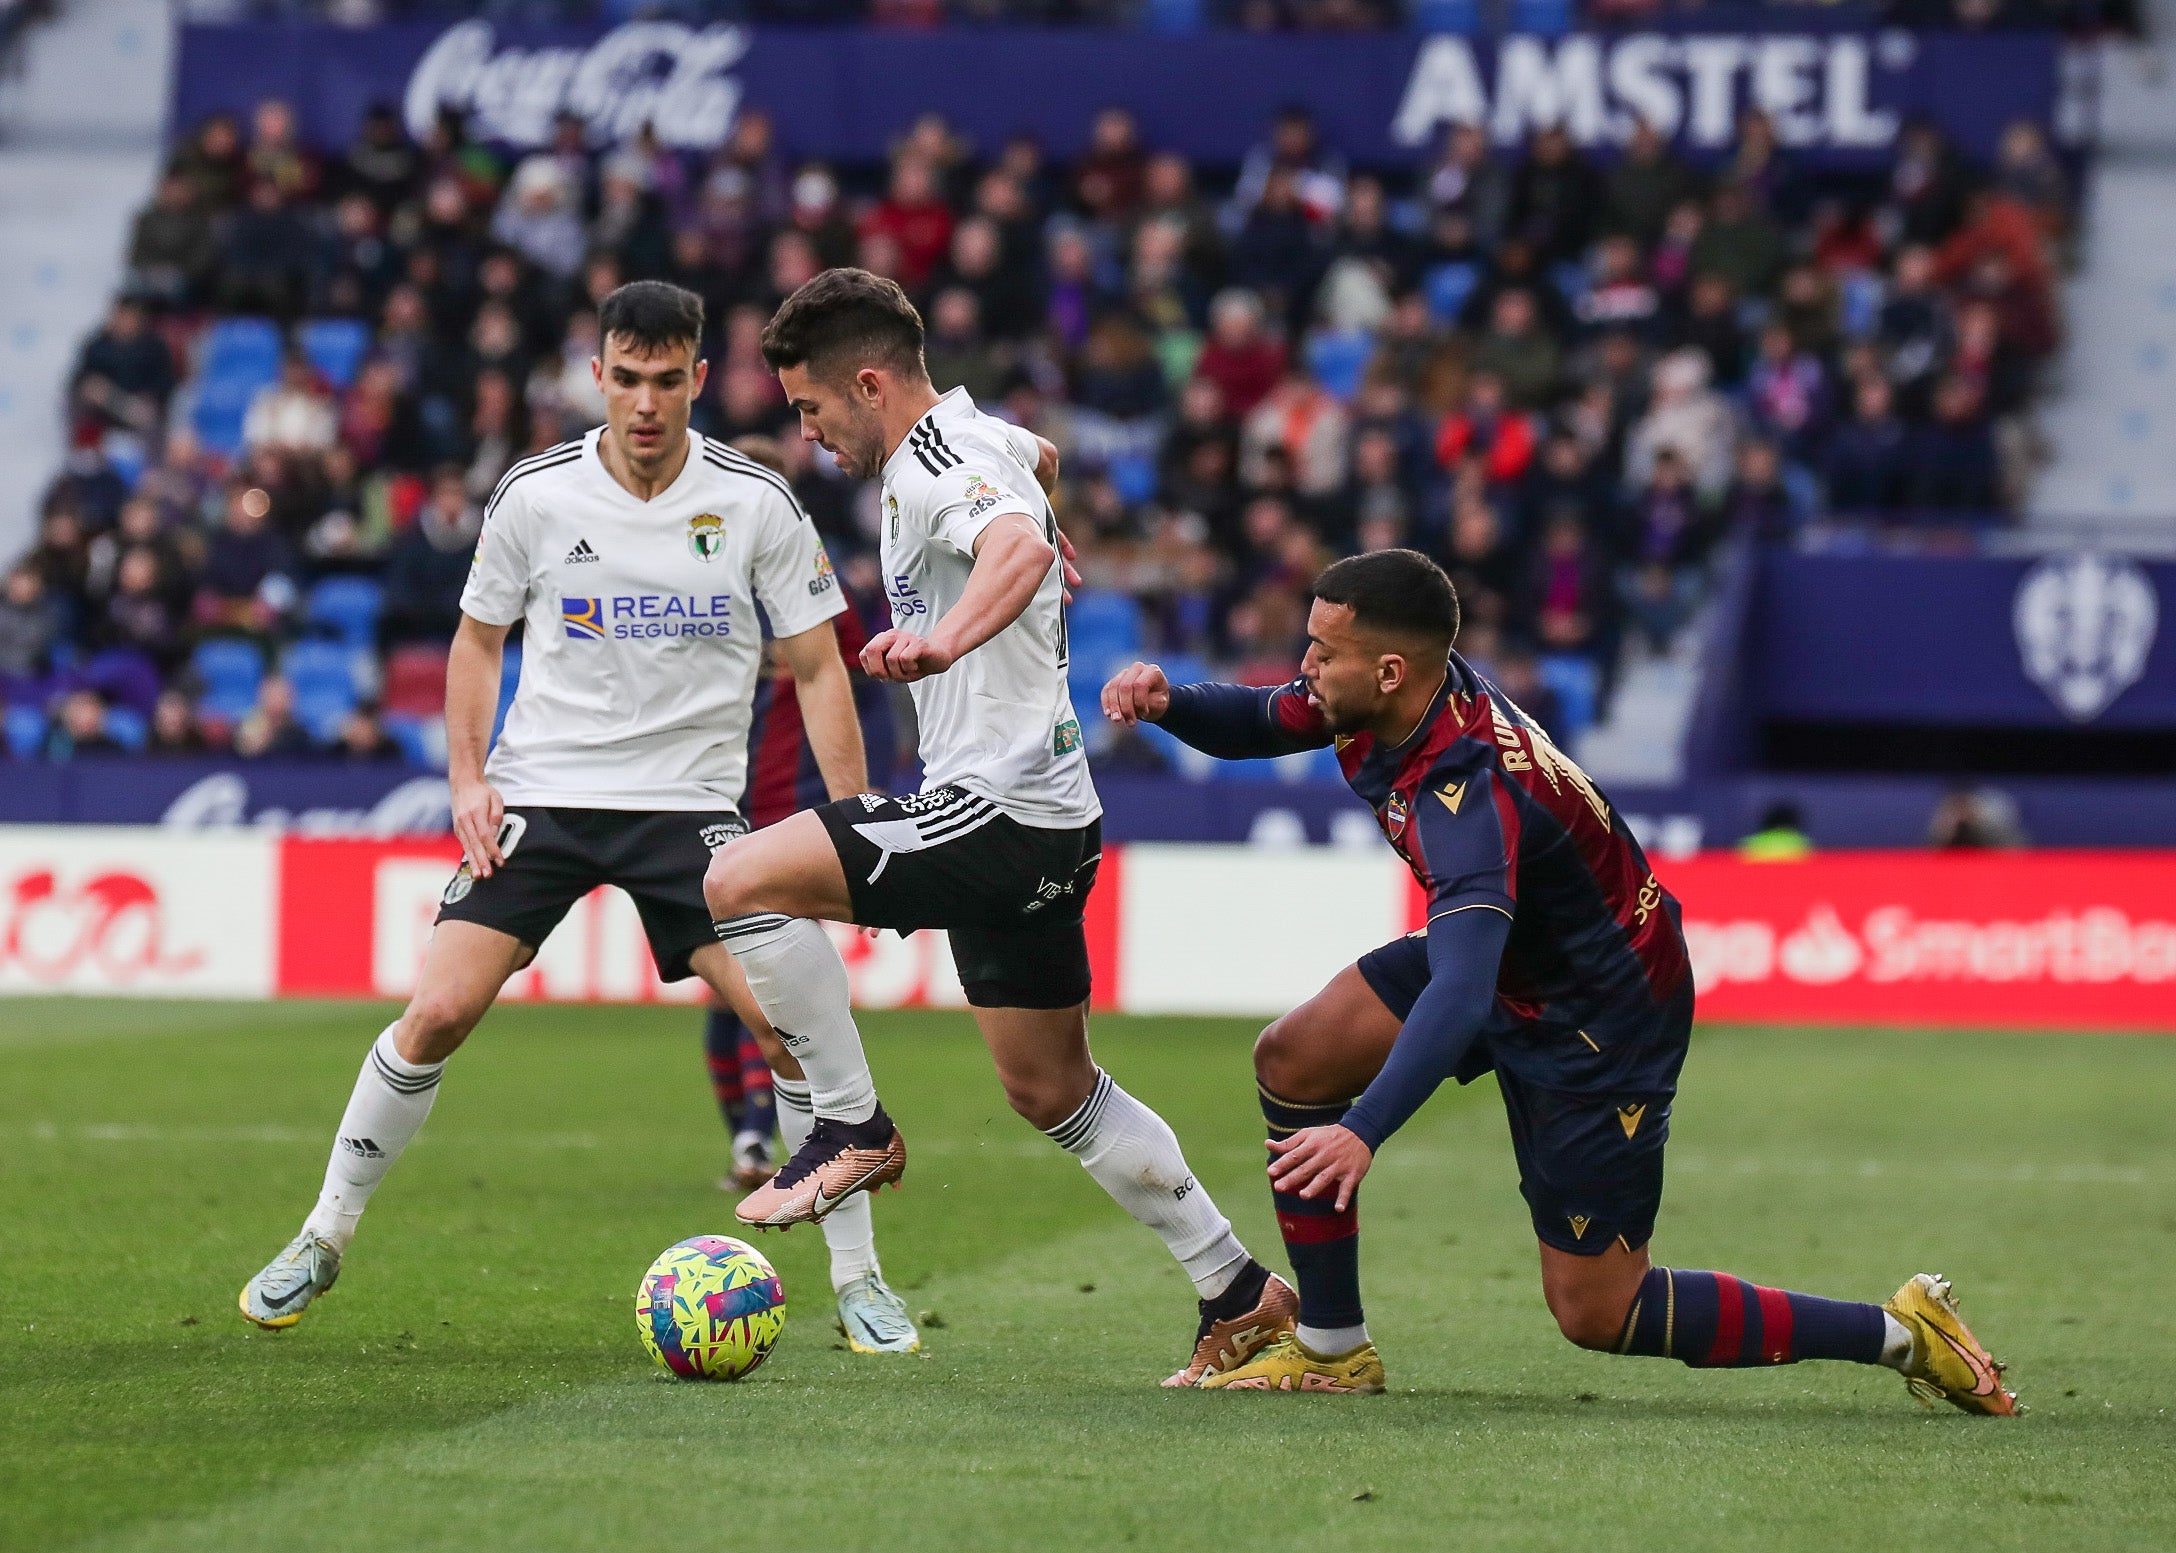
[(592, 447), (952, 405)]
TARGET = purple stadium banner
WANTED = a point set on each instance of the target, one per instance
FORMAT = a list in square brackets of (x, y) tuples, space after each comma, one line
[(1837, 87)]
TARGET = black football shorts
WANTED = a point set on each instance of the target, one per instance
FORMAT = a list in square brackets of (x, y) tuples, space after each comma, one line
[(1011, 895), (554, 857)]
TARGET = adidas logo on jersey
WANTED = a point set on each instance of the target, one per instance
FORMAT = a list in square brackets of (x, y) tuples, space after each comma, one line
[(581, 553)]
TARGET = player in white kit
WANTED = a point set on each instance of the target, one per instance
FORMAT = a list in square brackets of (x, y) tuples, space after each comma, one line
[(635, 557), (999, 847)]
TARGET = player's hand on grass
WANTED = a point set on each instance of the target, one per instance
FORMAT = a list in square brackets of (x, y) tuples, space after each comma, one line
[(903, 658), (1320, 1162), (1137, 691), (478, 812)]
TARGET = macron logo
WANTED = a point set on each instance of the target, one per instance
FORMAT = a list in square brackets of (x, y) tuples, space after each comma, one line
[(581, 553)]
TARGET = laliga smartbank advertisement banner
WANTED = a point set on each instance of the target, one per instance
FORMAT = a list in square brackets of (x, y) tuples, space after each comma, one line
[(2022, 941)]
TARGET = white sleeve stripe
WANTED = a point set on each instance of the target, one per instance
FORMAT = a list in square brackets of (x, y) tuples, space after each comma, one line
[(533, 467), (741, 464)]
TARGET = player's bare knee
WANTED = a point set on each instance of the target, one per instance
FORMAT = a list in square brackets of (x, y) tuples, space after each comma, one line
[(434, 1027), (1282, 1063), (719, 885), (1041, 1102), (1588, 1323)]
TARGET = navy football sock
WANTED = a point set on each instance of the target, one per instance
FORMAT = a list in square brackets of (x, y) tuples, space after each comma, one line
[(760, 1106), (1322, 1244), (1712, 1320), (722, 1031)]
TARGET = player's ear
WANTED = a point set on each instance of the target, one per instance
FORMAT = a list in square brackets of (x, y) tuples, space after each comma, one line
[(870, 383), (701, 376), (1390, 672), (596, 372)]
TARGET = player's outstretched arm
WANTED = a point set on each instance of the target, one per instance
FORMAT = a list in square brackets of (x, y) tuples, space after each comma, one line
[(472, 701), (1465, 948), (1231, 722), (826, 694), (1011, 560)]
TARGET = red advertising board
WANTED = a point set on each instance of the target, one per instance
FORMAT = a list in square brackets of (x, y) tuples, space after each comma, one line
[(1997, 940)]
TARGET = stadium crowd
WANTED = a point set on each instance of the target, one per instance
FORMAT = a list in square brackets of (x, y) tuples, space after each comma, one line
[(1569, 377)]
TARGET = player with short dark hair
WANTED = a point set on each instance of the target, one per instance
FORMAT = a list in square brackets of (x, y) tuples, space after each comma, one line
[(1551, 955), (1000, 846), (637, 558)]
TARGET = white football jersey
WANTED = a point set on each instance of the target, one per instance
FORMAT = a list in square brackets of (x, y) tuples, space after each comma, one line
[(642, 643), (1000, 721)]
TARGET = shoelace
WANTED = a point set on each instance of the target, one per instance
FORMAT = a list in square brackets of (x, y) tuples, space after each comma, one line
[(825, 1142)]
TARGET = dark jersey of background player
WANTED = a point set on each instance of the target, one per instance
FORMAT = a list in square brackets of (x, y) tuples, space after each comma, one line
[(1592, 989), (783, 778)]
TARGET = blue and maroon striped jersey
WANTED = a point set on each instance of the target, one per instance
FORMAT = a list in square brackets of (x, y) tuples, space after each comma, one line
[(1486, 811), (782, 773)]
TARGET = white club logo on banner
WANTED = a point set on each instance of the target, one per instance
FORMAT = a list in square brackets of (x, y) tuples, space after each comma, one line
[(2085, 624)]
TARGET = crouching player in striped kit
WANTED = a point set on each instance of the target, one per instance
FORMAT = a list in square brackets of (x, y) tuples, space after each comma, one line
[(1551, 955)]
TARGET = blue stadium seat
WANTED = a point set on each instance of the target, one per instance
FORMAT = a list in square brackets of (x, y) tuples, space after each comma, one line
[(241, 346), (1134, 477), (1578, 686), (1570, 279), (128, 727), (324, 679), (231, 671), (1102, 625), (1338, 358), (1859, 303), (1460, 16), (347, 609), (124, 676), (25, 731), (336, 346), (238, 356), (414, 735), (1550, 18), (1447, 287)]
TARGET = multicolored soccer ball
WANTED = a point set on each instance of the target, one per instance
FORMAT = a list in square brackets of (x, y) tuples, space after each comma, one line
[(710, 1308)]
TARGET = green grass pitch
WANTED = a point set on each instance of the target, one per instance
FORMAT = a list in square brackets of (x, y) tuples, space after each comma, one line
[(476, 1383)]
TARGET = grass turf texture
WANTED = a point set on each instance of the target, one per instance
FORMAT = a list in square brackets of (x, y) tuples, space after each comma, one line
[(476, 1380)]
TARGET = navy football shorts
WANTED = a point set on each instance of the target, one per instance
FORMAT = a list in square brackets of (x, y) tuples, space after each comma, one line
[(1590, 1163)]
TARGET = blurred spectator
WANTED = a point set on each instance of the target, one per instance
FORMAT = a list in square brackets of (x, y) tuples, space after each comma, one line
[(1517, 352), (1306, 423), (1241, 357), (1779, 838), (124, 372), (428, 564), (247, 582), (295, 412), (1647, 183), (79, 728), (914, 217), (28, 625), (173, 245), (1969, 818), (1556, 197), (174, 726), (271, 729), (1687, 416), (1738, 242), (1868, 461), (538, 218), (1498, 436), (1953, 465), (362, 736)]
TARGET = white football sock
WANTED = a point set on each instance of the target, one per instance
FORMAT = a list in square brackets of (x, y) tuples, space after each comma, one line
[(392, 1096), (1331, 1342), (800, 982), (850, 1228), (1896, 1343), (1135, 1157)]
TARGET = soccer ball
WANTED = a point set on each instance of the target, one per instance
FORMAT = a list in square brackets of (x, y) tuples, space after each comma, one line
[(710, 1308)]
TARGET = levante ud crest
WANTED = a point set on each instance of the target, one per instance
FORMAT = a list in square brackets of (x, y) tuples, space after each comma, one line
[(706, 536)]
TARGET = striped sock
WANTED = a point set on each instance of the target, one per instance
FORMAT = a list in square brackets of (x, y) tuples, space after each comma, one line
[(721, 1054), (392, 1097), (1715, 1321), (1322, 1244)]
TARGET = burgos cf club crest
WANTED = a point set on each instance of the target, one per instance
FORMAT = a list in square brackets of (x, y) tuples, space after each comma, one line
[(584, 619), (706, 536)]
